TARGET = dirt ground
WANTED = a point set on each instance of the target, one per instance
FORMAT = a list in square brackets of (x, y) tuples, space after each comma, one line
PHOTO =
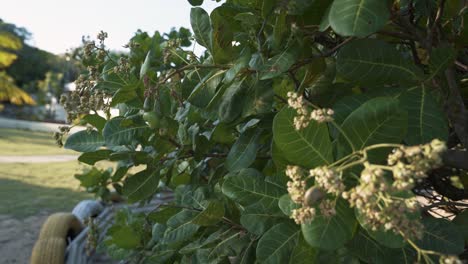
[(17, 237)]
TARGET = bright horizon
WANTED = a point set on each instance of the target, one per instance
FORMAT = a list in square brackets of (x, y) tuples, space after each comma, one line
[(58, 25)]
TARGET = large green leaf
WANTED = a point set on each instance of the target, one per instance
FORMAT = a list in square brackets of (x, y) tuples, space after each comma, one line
[(180, 228), (276, 244), (141, 186), (379, 120), (386, 238), (84, 141), (276, 65), (212, 214), (376, 62), (358, 18), (125, 237), (259, 99), (223, 23), (442, 236), (368, 250), (201, 25), (461, 220), (286, 204), (303, 253), (244, 151), (91, 158), (249, 186), (116, 135), (426, 119), (95, 120), (309, 147), (330, 233), (441, 58), (257, 218)]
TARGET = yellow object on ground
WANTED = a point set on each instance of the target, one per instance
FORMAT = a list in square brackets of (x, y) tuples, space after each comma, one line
[(60, 225), (52, 242), (49, 251)]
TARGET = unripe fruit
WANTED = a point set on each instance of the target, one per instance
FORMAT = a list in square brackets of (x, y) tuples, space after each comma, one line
[(152, 119), (313, 195)]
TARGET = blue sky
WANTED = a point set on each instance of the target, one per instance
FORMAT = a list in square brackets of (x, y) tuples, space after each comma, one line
[(57, 25)]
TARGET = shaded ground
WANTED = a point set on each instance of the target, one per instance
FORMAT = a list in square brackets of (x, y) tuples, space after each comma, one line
[(17, 237)]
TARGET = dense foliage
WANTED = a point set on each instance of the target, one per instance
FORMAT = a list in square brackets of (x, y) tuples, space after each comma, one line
[(325, 131)]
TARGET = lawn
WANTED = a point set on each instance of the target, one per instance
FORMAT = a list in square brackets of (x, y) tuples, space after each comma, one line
[(26, 143), (27, 188)]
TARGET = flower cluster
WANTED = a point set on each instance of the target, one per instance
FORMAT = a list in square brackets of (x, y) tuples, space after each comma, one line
[(450, 260), (123, 66), (304, 116), (296, 187), (77, 104), (92, 237), (297, 190), (379, 208), (328, 179), (303, 215), (410, 164), (327, 208), (322, 115), (58, 136)]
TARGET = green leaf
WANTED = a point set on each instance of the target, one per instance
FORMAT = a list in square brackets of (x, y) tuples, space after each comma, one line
[(257, 218), (125, 237), (141, 186), (244, 151), (440, 60), (441, 236), (205, 90), (84, 141), (303, 253), (163, 215), (309, 147), (201, 25), (196, 2), (90, 178), (287, 205), (331, 233), (368, 250), (379, 120), (372, 61), (259, 99), (276, 65), (91, 158), (95, 120), (426, 120), (123, 95), (276, 244), (223, 24), (117, 135), (180, 227), (461, 220), (211, 215), (358, 18), (249, 186)]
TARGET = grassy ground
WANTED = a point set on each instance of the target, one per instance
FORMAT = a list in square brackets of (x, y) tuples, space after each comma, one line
[(25, 143), (26, 189)]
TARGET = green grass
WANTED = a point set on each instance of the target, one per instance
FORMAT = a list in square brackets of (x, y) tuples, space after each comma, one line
[(26, 189), (23, 143)]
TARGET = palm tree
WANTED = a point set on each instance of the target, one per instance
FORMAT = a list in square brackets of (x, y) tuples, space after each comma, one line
[(9, 92)]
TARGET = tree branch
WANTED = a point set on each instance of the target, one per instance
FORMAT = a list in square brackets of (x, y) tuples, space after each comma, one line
[(456, 110)]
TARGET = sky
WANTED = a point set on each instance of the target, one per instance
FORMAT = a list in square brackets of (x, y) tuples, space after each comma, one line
[(57, 25)]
